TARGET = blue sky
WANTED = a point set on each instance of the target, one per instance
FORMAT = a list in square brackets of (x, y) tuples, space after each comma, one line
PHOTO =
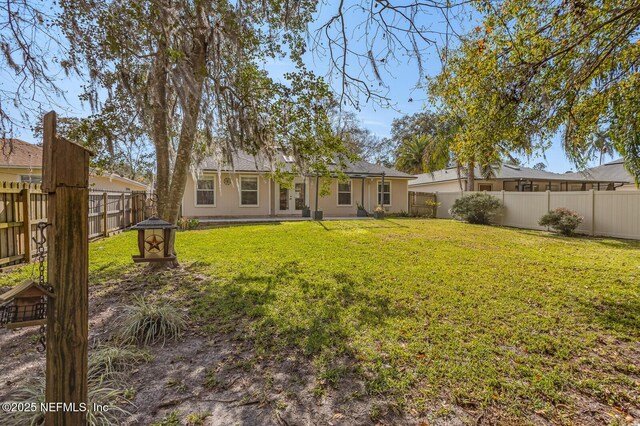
[(400, 78)]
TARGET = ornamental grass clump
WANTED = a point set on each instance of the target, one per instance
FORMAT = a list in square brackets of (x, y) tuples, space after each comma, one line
[(146, 322), (562, 220), (104, 390), (476, 208), (112, 360)]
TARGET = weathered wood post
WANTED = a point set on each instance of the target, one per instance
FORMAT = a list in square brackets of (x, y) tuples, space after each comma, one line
[(66, 181), (26, 224), (105, 212)]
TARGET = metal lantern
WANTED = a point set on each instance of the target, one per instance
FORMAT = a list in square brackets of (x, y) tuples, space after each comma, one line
[(155, 240), (25, 305)]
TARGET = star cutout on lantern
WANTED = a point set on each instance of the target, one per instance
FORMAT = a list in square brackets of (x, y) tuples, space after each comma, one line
[(154, 243)]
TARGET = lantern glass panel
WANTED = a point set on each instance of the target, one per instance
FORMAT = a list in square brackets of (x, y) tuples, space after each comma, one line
[(153, 243)]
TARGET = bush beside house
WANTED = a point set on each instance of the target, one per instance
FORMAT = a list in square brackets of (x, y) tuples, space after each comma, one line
[(476, 208), (562, 220)]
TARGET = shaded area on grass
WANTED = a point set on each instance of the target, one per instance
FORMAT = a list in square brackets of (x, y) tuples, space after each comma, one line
[(514, 323)]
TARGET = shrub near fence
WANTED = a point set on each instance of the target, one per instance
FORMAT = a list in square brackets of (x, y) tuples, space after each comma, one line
[(606, 213), (23, 206)]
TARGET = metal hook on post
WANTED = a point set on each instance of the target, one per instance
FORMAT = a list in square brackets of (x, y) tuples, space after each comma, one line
[(40, 250), (42, 340), (153, 204)]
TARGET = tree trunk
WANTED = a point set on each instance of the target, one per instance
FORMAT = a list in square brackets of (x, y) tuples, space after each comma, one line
[(471, 178), (191, 110), (159, 127)]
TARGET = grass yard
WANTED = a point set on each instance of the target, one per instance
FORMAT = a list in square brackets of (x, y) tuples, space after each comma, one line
[(431, 315)]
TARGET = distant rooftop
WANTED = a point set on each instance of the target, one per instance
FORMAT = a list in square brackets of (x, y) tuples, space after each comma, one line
[(245, 162), (18, 153), (610, 172)]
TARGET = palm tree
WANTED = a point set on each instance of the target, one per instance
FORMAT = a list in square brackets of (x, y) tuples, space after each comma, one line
[(601, 145), (409, 156)]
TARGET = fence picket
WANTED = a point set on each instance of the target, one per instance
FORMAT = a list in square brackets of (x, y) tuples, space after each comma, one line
[(23, 205)]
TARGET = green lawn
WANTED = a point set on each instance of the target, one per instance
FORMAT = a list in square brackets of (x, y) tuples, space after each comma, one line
[(423, 310)]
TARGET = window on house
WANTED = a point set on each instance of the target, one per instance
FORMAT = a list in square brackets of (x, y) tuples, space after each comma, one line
[(386, 192), (484, 187), (344, 193), (249, 191), (205, 193), (30, 179)]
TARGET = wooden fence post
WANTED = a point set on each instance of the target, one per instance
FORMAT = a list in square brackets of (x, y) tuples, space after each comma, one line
[(26, 218), (66, 182), (124, 222), (105, 201)]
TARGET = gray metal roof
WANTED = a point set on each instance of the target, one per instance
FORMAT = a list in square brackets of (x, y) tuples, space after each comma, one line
[(244, 162), (154, 223), (503, 172), (609, 172)]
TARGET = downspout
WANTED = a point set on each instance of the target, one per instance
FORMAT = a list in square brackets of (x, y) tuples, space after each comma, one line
[(317, 189), (382, 192)]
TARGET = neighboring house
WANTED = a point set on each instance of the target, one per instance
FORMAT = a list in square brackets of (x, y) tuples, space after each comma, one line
[(508, 177), (245, 189), (614, 173), (22, 162)]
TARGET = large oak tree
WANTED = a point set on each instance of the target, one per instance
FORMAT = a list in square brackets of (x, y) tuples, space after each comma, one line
[(193, 71)]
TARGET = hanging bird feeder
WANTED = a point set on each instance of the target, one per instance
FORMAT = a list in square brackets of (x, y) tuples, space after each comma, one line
[(155, 241), (25, 305)]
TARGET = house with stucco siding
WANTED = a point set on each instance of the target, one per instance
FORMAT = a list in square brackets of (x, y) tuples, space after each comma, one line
[(21, 161), (244, 187)]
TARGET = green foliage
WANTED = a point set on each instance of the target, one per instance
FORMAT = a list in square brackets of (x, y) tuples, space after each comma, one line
[(171, 419), (536, 69), (186, 224), (432, 205), (196, 419), (562, 220), (110, 360), (104, 390), (476, 208), (421, 310), (422, 142), (147, 322)]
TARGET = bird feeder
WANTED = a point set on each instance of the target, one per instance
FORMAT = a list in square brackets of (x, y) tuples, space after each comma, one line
[(25, 305), (155, 241)]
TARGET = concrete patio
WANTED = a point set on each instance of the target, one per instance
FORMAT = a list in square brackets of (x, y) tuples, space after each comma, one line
[(269, 219)]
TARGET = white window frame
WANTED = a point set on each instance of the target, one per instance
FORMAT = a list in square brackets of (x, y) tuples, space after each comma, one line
[(195, 191), (338, 192), (257, 178), (378, 185), (31, 178)]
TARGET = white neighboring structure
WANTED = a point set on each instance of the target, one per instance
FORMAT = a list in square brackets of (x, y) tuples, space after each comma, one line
[(610, 176), (613, 172)]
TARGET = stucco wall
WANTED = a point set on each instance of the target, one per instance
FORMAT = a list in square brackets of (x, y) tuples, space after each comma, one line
[(228, 201), (448, 186), (227, 198), (13, 175), (95, 182), (329, 203), (108, 184)]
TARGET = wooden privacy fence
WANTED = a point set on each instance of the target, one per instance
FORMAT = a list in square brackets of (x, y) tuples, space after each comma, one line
[(422, 204), (606, 213), (23, 206)]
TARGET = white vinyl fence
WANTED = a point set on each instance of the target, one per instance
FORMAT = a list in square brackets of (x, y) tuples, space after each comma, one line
[(606, 213)]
